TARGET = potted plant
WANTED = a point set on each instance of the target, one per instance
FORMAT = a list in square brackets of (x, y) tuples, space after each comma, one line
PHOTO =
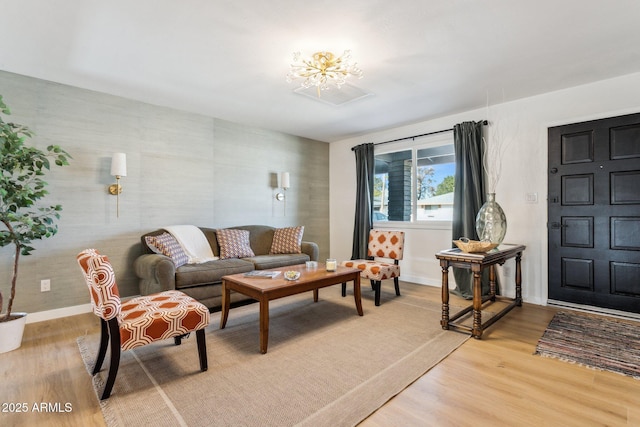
[(21, 187)]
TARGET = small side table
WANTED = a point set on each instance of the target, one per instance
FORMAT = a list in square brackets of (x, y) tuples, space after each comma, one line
[(477, 262)]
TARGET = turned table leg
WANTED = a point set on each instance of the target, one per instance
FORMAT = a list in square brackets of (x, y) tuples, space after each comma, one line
[(445, 295), (477, 302), (519, 279)]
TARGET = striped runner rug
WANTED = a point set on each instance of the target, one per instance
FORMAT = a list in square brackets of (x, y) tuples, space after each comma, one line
[(594, 341)]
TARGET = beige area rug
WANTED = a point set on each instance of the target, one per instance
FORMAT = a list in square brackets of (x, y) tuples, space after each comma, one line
[(325, 366)]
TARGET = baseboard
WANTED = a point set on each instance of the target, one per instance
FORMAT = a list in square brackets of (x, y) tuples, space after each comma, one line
[(592, 309), (420, 280), (41, 316)]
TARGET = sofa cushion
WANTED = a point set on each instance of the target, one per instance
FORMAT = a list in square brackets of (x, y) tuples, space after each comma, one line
[(262, 262), (209, 272), (166, 244), (234, 243), (287, 240)]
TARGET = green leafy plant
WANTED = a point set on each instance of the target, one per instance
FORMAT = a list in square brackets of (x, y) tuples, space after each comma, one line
[(21, 187)]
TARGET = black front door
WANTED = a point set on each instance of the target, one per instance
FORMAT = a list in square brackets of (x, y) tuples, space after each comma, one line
[(594, 213)]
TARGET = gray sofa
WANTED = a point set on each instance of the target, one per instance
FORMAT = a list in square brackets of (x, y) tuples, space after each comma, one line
[(203, 282)]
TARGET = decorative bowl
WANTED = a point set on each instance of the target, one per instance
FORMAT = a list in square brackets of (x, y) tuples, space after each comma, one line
[(474, 246), (291, 275)]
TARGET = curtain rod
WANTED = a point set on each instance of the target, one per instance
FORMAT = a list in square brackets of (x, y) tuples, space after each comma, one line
[(484, 122)]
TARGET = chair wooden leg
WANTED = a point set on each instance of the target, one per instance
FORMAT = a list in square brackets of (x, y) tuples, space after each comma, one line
[(378, 285), (344, 289), (114, 338), (202, 349), (178, 340), (397, 284), (104, 343)]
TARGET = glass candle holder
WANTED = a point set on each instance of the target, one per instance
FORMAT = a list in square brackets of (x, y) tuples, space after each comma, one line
[(332, 264)]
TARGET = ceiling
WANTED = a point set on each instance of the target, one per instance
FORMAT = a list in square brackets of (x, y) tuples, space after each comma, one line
[(228, 59)]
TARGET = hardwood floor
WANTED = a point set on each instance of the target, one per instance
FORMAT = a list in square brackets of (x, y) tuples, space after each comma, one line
[(498, 381), (494, 381), (45, 375)]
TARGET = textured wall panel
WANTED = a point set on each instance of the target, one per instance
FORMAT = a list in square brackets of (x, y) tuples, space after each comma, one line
[(183, 168)]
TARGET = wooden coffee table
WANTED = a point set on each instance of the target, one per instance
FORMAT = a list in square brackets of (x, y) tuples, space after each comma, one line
[(265, 289)]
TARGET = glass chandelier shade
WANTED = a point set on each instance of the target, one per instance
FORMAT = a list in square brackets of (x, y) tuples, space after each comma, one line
[(323, 69)]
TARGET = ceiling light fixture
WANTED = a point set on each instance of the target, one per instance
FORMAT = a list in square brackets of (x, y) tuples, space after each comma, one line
[(323, 69)]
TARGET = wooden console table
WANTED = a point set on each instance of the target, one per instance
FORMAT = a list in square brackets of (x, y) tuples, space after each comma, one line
[(477, 262)]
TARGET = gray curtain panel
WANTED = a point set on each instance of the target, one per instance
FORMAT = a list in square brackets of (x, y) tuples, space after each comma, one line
[(364, 200), (468, 197)]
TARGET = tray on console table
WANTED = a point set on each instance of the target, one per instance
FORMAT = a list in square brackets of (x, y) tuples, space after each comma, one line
[(476, 262)]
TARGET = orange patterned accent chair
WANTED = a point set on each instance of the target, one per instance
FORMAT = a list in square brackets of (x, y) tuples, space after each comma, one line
[(383, 245), (126, 325)]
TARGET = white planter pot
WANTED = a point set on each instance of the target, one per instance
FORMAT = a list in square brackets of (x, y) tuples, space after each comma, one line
[(11, 332)]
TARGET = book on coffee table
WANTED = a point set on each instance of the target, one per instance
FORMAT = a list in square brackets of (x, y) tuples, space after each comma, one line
[(263, 274)]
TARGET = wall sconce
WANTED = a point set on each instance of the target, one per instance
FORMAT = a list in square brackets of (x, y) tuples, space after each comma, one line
[(284, 184), (118, 169)]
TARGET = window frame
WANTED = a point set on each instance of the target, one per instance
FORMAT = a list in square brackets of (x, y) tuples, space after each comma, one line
[(414, 145)]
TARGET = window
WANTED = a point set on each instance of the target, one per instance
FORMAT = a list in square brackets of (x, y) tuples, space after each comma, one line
[(414, 184)]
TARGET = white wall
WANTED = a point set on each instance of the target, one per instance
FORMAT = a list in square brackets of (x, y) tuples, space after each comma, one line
[(524, 170)]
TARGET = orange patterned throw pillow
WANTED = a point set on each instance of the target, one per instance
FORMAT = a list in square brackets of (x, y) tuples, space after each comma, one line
[(287, 240), (234, 243)]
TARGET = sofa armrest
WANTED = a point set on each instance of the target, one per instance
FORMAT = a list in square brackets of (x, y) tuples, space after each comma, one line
[(156, 272), (311, 249)]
